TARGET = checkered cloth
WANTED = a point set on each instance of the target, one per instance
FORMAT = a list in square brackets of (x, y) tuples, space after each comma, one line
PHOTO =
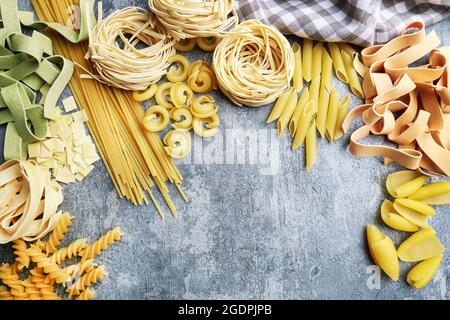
[(362, 22)]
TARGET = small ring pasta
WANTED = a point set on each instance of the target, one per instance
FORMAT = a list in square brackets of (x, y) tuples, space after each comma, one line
[(140, 96), (208, 127), (208, 44), (180, 72), (201, 77), (181, 95), (183, 119), (185, 45), (162, 93), (178, 144), (203, 107), (156, 119)]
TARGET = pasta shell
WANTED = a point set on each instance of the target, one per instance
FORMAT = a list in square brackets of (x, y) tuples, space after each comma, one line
[(399, 178), (423, 272), (417, 206), (408, 188), (391, 218), (433, 193), (411, 215), (420, 246), (383, 252)]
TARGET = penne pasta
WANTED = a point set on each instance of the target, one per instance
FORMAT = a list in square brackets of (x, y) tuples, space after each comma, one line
[(307, 59), (316, 69), (286, 115), (298, 69), (327, 69), (338, 63), (333, 109), (311, 146), (306, 120), (279, 106), (352, 76), (347, 48), (322, 109), (342, 113), (314, 90), (295, 119)]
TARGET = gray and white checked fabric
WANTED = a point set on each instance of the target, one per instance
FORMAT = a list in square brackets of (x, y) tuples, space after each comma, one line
[(362, 22)]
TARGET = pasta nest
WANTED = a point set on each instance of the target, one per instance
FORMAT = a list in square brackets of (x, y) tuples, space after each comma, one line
[(254, 65), (195, 18), (116, 53)]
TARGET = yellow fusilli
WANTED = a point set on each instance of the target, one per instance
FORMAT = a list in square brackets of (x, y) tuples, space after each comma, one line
[(80, 268), (101, 244), (5, 294), (9, 276), (87, 294), (61, 228), (49, 267), (20, 250), (85, 281), (70, 251)]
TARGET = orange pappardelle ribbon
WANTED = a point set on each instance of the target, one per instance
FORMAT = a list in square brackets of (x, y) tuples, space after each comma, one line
[(410, 105)]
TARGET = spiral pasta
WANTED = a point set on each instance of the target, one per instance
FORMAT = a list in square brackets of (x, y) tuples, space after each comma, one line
[(9, 277), (183, 119), (156, 119), (80, 268), (130, 68), (207, 127), (49, 267), (87, 294), (70, 251), (255, 66), (201, 77), (178, 144), (20, 250), (162, 95), (101, 244), (85, 281), (203, 107), (180, 72), (61, 228), (191, 19), (5, 294), (181, 95)]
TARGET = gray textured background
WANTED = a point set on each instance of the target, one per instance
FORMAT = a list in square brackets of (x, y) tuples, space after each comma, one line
[(246, 234)]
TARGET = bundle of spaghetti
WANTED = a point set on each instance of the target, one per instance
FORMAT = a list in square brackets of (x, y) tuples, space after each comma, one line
[(195, 18), (135, 158), (409, 105), (130, 68), (254, 64)]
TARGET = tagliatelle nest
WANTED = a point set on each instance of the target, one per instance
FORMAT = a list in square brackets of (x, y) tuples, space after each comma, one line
[(254, 64), (124, 65), (195, 18)]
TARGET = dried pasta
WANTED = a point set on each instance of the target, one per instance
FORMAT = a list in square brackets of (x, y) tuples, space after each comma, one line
[(201, 77), (87, 294), (185, 45), (423, 272), (156, 119), (206, 127), (307, 60), (203, 107), (192, 19), (332, 114), (69, 252), (305, 122), (181, 72), (316, 67), (411, 215), (298, 70), (208, 44), (279, 105), (49, 267), (183, 119), (130, 68), (394, 220), (60, 230), (341, 116), (162, 95), (338, 62), (352, 76), (255, 66), (178, 144), (147, 94), (311, 146), (421, 245), (181, 95), (101, 244), (322, 111), (287, 113), (20, 251), (85, 281), (417, 206), (296, 116), (383, 252)]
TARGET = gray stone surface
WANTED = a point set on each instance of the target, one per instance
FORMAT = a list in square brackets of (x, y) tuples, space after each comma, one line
[(250, 231)]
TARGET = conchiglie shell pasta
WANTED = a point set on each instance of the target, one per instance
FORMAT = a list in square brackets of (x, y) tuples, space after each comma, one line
[(383, 252), (411, 215), (399, 178), (417, 206), (423, 272), (409, 187), (420, 246), (432, 190), (391, 218)]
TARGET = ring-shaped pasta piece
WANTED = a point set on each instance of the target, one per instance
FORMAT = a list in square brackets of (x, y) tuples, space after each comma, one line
[(183, 119), (162, 95), (156, 119), (202, 81), (199, 65), (185, 45), (208, 44), (180, 72), (178, 144), (181, 95), (208, 127), (145, 95), (203, 107)]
